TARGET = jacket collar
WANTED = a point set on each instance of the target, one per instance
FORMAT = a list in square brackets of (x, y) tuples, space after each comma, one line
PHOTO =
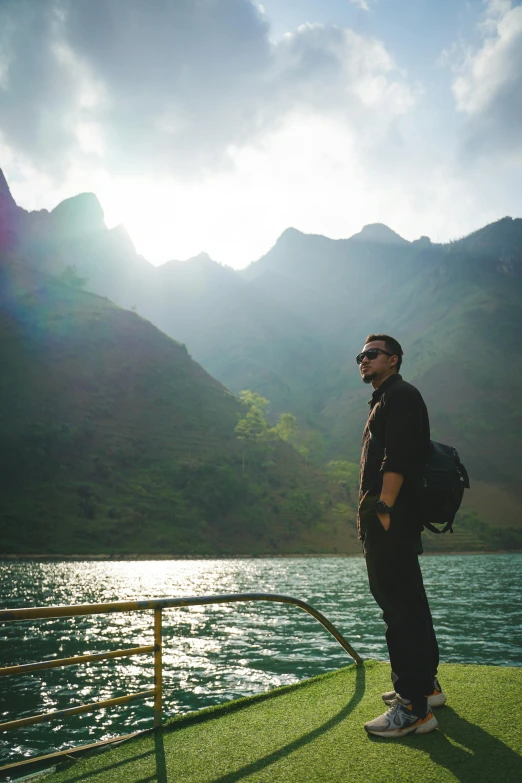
[(377, 394)]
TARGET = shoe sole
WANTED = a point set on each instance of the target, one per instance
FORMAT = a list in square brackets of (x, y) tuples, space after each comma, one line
[(435, 700), (420, 728)]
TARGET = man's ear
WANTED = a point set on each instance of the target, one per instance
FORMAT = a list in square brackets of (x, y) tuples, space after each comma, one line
[(392, 362)]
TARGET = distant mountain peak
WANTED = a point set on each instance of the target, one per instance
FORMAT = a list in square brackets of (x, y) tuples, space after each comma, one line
[(378, 232), (81, 214), (9, 216), (202, 258), (202, 262), (500, 243), (120, 235), (5, 193), (7, 202), (289, 235), (291, 231)]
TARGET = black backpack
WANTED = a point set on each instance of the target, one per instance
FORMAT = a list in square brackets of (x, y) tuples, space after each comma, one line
[(445, 479)]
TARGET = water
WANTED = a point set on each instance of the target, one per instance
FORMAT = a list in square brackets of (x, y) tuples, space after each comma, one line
[(215, 653)]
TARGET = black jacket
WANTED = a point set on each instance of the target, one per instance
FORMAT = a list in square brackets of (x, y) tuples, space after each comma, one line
[(396, 438)]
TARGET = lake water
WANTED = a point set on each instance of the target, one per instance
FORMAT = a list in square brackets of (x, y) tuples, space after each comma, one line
[(215, 653)]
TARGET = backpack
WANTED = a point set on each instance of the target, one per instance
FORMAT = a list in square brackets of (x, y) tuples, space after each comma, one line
[(445, 479)]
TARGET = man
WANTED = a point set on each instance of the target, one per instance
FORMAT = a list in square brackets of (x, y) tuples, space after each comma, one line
[(395, 442)]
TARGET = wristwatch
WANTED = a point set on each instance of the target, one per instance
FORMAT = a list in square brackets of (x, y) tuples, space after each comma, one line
[(382, 508)]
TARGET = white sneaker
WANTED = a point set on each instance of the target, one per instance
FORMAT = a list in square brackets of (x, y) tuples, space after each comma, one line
[(399, 720), (435, 699)]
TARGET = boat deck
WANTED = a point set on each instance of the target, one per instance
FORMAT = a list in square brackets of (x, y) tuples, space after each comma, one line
[(313, 732)]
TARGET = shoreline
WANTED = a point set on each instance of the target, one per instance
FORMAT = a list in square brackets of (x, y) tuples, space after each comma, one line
[(152, 557)]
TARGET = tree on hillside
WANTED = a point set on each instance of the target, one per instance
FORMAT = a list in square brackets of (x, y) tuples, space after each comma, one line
[(253, 426), (254, 400), (70, 277), (344, 473), (287, 429)]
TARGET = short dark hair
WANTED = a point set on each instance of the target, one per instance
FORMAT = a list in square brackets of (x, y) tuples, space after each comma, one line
[(392, 345)]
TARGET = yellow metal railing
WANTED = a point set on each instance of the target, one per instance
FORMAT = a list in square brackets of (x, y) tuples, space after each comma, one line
[(157, 605)]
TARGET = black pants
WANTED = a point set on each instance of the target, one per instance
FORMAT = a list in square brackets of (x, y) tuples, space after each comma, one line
[(396, 584)]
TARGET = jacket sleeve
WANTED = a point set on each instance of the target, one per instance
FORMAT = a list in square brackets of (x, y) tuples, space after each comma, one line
[(404, 433)]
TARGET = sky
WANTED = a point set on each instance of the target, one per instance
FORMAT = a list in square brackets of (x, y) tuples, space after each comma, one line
[(214, 125)]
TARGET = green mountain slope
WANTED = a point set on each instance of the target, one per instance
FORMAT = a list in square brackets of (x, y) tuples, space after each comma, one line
[(454, 308), (290, 324), (115, 440)]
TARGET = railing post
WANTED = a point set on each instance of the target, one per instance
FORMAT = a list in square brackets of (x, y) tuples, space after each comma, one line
[(158, 673), (157, 604)]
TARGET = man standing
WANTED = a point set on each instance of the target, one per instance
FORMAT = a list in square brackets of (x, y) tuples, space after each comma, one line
[(395, 443)]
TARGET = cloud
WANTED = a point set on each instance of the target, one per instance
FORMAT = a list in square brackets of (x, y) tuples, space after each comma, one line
[(488, 83), (161, 87)]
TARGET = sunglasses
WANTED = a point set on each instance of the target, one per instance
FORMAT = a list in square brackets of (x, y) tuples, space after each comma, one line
[(371, 354)]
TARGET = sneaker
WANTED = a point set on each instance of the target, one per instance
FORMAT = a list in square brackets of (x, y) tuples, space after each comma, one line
[(435, 699), (399, 720)]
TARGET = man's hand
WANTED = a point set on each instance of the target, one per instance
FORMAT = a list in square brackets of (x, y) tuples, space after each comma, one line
[(391, 485)]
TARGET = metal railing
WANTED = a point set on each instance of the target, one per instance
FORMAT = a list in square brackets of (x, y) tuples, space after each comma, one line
[(157, 605)]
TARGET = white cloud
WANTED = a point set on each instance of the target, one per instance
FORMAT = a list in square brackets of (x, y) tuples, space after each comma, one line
[(488, 82), (194, 128), (155, 86), (340, 74), (361, 3), (200, 132)]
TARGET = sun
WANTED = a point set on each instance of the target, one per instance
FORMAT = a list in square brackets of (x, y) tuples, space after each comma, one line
[(158, 219)]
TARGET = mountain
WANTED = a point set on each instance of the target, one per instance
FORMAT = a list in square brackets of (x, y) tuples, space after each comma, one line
[(115, 440), (378, 232), (451, 306), (9, 216), (77, 217), (290, 325), (75, 234)]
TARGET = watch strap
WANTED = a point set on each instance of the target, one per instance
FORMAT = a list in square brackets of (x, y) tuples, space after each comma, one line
[(382, 508)]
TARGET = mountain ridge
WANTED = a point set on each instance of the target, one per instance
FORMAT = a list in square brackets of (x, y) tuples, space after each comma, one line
[(88, 204), (289, 325), (379, 232)]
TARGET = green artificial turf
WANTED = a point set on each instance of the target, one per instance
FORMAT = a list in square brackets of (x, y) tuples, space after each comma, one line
[(313, 732)]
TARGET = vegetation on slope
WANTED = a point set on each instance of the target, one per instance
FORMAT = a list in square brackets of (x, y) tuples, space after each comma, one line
[(115, 440), (289, 326)]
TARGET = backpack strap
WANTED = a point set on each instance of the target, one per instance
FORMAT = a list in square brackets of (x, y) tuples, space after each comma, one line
[(447, 526), (431, 527)]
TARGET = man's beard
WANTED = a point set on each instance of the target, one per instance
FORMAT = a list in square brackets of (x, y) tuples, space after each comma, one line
[(369, 377)]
